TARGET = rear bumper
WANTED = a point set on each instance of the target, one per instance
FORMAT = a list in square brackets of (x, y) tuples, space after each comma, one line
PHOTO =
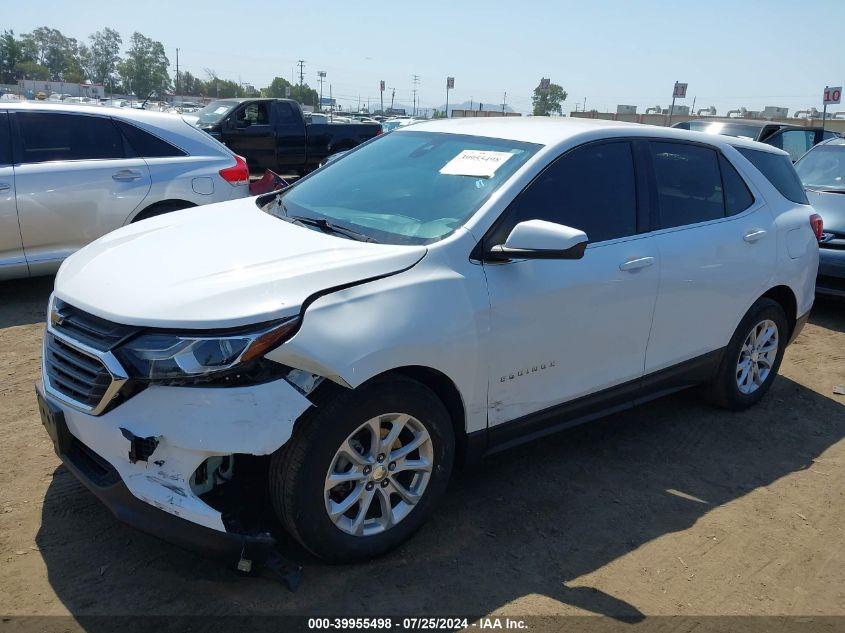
[(831, 278)]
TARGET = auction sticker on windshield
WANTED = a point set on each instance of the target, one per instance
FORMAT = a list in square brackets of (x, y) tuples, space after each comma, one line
[(473, 162)]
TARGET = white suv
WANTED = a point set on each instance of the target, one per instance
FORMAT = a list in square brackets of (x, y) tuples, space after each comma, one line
[(330, 353)]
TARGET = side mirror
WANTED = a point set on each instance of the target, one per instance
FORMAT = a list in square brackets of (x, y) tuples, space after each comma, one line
[(538, 239)]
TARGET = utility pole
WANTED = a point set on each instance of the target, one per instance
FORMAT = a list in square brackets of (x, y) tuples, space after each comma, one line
[(416, 83), (504, 102), (301, 71), (392, 96), (322, 75), (177, 74)]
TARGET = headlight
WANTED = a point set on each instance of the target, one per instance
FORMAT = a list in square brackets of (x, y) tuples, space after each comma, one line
[(164, 356)]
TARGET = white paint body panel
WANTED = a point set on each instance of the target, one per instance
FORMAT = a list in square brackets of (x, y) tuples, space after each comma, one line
[(216, 267), (586, 320)]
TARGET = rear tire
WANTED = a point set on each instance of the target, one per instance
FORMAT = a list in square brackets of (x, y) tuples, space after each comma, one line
[(388, 495), (752, 357)]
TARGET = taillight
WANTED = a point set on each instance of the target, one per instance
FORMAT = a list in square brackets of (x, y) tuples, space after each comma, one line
[(818, 225), (380, 130), (239, 174)]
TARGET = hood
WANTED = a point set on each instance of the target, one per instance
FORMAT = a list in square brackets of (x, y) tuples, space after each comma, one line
[(831, 206), (217, 266)]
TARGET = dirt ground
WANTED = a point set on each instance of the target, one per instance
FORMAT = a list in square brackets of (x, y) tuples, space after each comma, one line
[(673, 508)]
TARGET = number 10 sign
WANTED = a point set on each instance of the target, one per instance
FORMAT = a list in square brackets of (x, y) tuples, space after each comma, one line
[(832, 95)]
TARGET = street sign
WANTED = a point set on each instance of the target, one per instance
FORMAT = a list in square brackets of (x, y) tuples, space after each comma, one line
[(381, 85), (287, 92), (450, 83), (680, 91), (832, 95)]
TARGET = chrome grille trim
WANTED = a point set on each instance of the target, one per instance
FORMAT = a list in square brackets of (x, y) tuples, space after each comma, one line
[(81, 376)]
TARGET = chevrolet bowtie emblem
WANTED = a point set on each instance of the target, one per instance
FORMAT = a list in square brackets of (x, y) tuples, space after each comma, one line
[(55, 318)]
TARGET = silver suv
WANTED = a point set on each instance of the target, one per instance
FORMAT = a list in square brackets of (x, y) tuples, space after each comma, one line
[(70, 174)]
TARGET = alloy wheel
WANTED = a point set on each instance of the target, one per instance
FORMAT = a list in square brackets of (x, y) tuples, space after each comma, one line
[(757, 356), (379, 473)]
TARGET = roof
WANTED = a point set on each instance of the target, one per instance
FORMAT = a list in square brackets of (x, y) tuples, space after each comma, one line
[(131, 114), (553, 131), (751, 122)]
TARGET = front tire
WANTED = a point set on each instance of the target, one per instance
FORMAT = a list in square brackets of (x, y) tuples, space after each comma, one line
[(364, 471), (752, 357)]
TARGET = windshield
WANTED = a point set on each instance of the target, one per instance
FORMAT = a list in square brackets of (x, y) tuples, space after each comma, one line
[(408, 187), (214, 112), (728, 129), (823, 168)]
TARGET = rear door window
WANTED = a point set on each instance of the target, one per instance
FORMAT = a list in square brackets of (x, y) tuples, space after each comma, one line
[(779, 171), (145, 144), (52, 137), (689, 184), (591, 188)]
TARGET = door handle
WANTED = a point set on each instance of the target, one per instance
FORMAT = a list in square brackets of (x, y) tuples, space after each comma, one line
[(753, 236), (126, 175), (5, 186), (636, 264)]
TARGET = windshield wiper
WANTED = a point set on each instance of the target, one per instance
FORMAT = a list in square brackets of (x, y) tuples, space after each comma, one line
[(328, 227)]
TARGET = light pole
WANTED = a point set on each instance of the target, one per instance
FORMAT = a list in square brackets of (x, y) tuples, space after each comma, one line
[(322, 75), (450, 84)]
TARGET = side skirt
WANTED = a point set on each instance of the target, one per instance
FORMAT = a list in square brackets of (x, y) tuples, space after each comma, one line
[(593, 406)]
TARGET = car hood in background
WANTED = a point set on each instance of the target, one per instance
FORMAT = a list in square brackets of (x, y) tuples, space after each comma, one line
[(831, 206), (217, 266)]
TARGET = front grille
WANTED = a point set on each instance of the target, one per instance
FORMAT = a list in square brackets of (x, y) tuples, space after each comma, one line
[(74, 374), (88, 329)]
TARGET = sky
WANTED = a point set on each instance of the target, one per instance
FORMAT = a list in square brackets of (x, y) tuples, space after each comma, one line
[(751, 53)]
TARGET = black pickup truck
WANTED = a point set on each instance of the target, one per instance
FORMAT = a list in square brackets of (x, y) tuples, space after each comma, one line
[(272, 133)]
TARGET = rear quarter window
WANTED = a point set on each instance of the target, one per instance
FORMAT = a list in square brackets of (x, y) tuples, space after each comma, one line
[(145, 144), (778, 170)]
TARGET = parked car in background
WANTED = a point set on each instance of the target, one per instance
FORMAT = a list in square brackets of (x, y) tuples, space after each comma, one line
[(273, 133), (822, 171), (331, 352), (793, 139), (69, 174)]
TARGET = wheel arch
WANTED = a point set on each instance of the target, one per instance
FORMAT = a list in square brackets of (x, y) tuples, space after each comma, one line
[(442, 386), (785, 297), (151, 210)]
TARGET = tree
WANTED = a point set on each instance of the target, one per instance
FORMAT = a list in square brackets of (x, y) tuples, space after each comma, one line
[(31, 70), (11, 54), (546, 102), (99, 61), (144, 71), (301, 92), (59, 54)]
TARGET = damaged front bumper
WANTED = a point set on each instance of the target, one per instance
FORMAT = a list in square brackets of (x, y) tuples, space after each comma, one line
[(141, 458)]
